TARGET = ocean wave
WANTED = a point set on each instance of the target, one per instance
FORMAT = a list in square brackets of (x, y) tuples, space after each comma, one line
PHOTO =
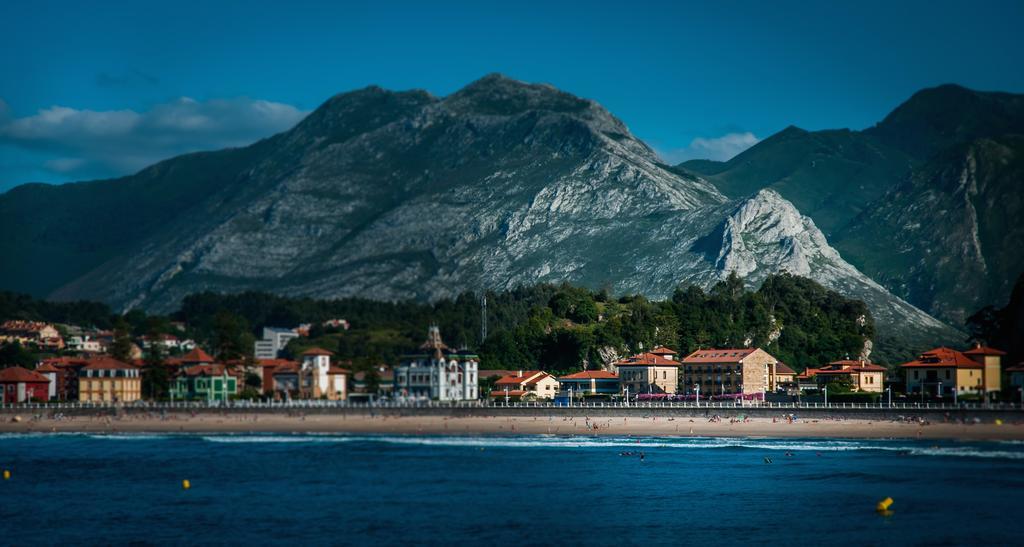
[(1006, 450), (262, 439), (125, 436), (690, 443)]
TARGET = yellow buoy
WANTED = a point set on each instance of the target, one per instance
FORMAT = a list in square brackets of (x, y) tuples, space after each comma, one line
[(185, 485), (999, 422), (883, 506), (7, 474)]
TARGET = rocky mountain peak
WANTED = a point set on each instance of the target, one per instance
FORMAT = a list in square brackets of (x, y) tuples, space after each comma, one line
[(766, 231), (351, 113), (499, 95)]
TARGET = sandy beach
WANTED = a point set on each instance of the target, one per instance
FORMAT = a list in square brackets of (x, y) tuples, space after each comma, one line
[(212, 422)]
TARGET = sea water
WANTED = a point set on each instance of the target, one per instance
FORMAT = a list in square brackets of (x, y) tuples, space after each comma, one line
[(527, 490)]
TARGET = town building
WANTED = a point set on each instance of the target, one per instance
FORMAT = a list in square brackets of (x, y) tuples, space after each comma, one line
[(274, 340), (730, 371), (67, 375), (168, 342), (438, 372), (266, 368), (860, 375), (21, 385), (530, 384), (84, 344), (52, 374), (1016, 373), (940, 371), (784, 375), (105, 379), (285, 380), (656, 371), (589, 383), (992, 360), (205, 383), (382, 375), (43, 335), (319, 379)]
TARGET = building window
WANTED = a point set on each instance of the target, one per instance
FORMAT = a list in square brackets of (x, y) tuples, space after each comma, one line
[(915, 375), (947, 374)]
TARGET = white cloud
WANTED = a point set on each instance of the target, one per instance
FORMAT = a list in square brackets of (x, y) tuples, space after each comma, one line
[(117, 142), (718, 148)]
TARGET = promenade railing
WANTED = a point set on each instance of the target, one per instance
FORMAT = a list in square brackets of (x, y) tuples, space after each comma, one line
[(301, 404)]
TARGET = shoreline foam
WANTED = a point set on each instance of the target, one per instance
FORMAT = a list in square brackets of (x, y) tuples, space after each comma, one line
[(621, 426)]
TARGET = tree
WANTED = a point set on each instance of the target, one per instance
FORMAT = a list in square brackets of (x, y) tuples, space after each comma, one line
[(121, 347), (253, 380), (155, 378), (13, 354), (232, 339), (842, 384)]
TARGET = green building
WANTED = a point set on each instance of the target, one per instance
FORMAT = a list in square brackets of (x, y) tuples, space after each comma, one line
[(204, 383)]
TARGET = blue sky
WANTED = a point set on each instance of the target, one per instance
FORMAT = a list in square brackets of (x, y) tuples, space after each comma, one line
[(101, 89)]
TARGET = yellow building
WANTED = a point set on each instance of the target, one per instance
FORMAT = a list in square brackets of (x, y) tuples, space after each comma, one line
[(108, 380), (991, 359), (784, 375), (863, 376), (526, 384), (656, 371), (940, 371)]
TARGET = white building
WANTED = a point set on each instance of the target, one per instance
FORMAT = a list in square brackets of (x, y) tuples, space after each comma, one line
[(168, 342), (84, 343), (438, 372), (318, 379), (274, 340)]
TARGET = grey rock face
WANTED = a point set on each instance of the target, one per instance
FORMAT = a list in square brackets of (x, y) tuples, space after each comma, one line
[(404, 195)]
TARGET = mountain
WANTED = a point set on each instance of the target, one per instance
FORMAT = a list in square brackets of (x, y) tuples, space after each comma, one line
[(830, 175), (394, 195), (937, 118), (949, 238), (766, 234), (891, 199)]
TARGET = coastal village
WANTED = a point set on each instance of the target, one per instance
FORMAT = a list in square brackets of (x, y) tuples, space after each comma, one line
[(83, 370)]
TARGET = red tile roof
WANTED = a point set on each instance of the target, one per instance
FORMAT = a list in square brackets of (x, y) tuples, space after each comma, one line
[(984, 350), (104, 362), (197, 355), (783, 368), (662, 350), (65, 362), (286, 368), (19, 374), (274, 362), (529, 377), (850, 364), (317, 351), (338, 370), (646, 360), (1019, 367), (210, 370), (47, 367), (588, 374), (728, 355), (943, 357)]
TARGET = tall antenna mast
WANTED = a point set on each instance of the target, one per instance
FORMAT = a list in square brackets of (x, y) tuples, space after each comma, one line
[(483, 318)]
